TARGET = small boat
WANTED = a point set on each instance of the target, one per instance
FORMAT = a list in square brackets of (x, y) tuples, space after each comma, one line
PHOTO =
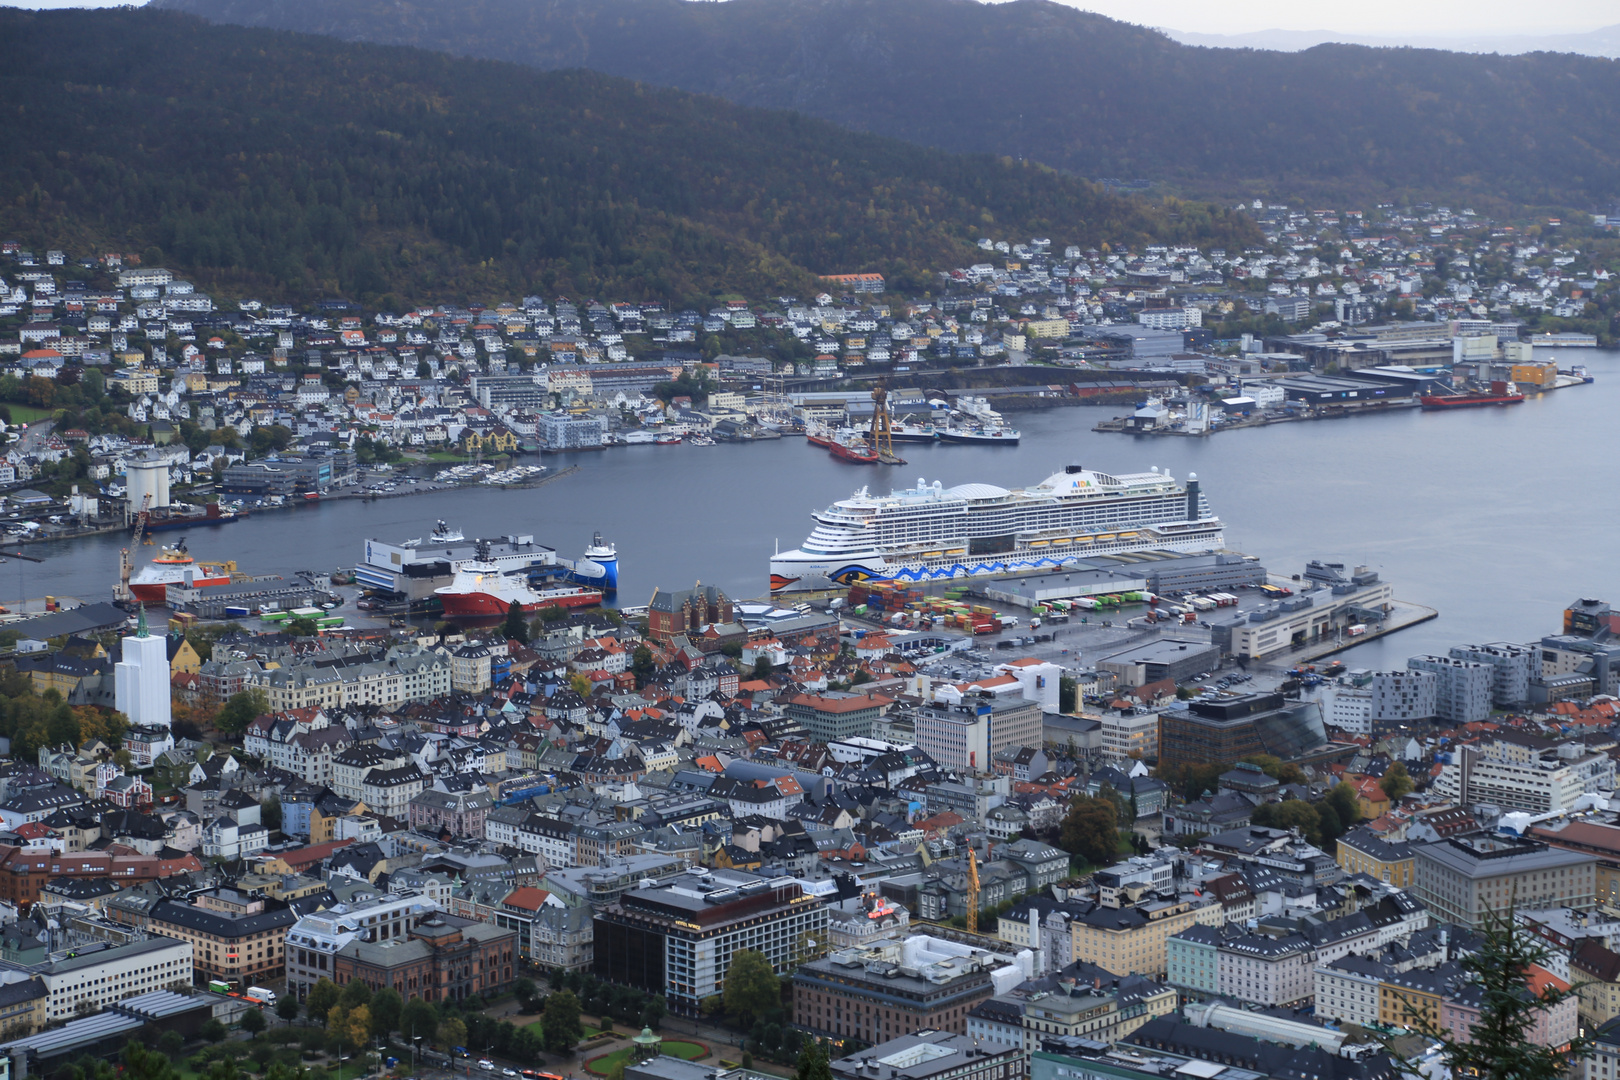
[(668, 440), (444, 534)]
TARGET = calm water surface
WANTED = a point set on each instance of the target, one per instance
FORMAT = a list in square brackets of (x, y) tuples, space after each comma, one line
[(1497, 517)]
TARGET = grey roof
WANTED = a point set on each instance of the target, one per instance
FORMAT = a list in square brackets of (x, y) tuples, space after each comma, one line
[(216, 922), (1492, 856)]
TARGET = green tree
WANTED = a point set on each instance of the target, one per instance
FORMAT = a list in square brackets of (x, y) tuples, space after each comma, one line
[(322, 996), (1284, 772), (654, 1012), (813, 1063), (1396, 781), (516, 629), (356, 993), (1501, 1044), (1342, 798), (301, 627), (1068, 694), (751, 986), (253, 1021), (560, 1022), (763, 668), (241, 709), (418, 1017), (287, 1007), (270, 813), (642, 664), (1291, 814), (171, 1043), (213, 1031), (453, 1032), (1329, 824), (523, 990), (1091, 830), (386, 1008)]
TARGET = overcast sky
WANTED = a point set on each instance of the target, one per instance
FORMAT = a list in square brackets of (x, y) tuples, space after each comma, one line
[(1380, 18)]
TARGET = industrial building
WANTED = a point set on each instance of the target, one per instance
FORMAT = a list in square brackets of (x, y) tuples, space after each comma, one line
[(1340, 390), (1315, 615), (1154, 661)]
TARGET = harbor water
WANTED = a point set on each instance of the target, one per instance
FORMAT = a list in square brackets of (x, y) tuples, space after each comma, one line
[(1497, 517)]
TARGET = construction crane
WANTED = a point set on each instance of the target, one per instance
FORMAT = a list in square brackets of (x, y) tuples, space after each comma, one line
[(126, 561), (973, 893)]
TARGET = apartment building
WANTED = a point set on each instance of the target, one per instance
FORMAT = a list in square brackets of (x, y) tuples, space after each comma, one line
[(1464, 879), (234, 937), (1347, 989), (1132, 939), (1534, 780), (1362, 851)]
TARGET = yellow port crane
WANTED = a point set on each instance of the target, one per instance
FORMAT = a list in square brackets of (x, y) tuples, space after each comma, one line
[(973, 893)]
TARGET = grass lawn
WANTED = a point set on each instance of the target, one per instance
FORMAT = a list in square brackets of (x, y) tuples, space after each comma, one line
[(690, 1051), (27, 414)]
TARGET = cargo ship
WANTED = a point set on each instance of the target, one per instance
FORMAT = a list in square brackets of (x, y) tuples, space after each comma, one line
[(931, 532), (1500, 393), (211, 515), (480, 590), (175, 566)]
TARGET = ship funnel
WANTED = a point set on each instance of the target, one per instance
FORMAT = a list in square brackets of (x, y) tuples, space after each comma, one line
[(1072, 469), (1192, 497)]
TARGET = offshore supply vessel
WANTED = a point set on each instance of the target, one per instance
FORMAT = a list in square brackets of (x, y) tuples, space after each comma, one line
[(931, 532)]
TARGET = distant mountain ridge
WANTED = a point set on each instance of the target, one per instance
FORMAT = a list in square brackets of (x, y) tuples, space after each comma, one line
[(1074, 90), (1604, 41), (295, 165)]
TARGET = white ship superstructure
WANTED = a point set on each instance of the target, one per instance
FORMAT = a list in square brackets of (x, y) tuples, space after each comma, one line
[(931, 532)]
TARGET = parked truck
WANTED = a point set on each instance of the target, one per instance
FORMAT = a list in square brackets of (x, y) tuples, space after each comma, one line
[(261, 995)]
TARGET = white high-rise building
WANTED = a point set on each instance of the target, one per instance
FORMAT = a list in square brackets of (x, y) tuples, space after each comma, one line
[(142, 678)]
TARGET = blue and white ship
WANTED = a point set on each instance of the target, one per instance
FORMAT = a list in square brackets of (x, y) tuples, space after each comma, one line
[(599, 568), (931, 532)]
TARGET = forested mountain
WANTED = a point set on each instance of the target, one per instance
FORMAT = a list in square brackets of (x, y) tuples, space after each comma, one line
[(295, 164), (1075, 90)]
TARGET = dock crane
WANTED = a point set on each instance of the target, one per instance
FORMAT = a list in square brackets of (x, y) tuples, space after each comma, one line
[(881, 437), (973, 893), (126, 561)]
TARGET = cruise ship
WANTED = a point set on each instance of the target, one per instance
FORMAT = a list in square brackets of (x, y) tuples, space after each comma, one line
[(930, 532)]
